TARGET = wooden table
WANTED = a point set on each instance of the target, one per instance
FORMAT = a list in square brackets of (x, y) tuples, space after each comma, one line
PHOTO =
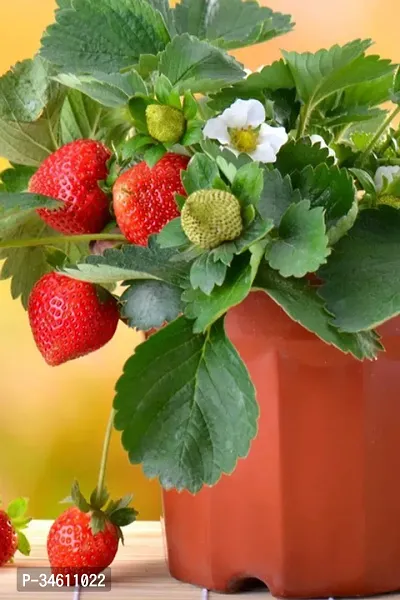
[(138, 573)]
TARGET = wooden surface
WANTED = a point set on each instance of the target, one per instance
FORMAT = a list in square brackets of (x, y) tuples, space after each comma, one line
[(139, 572)]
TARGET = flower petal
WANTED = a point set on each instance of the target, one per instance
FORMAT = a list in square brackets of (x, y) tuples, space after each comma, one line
[(276, 137), (264, 153), (217, 129), (255, 113), (236, 115), (388, 173)]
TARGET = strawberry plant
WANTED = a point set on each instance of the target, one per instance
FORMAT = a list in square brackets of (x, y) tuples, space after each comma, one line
[(142, 153)]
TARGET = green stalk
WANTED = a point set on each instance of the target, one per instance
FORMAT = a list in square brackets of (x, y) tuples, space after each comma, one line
[(60, 240), (303, 121), (378, 134), (104, 456)]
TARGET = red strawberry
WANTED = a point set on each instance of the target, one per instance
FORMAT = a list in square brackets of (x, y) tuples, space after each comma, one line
[(73, 549), (70, 318), (8, 539), (11, 536), (72, 174), (84, 539), (144, 198)]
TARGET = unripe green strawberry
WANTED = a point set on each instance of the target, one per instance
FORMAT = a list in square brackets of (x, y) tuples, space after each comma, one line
[(390, 201), (165, 123), (211, 217)]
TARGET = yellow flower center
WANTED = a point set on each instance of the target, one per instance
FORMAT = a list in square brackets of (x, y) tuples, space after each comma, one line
[(244, 140)]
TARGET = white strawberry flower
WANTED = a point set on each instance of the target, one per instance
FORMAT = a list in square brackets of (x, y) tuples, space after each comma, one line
[(388, 173), (318, 139), (242, 129)]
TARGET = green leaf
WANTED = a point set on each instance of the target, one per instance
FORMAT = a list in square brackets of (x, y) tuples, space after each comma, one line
[(277, 196), (124, 516), (196, 403), (26, 90), (23, 544), (149, 304), (137, 108), (254, 232), (193, 134), (230, 24), (78, 499), (172, 235), (192, 65), (302, 245), (343, 225), (329, 187), (103, 35), (16, 203), (329, 71), (365, 180), (301, 303), (154, 154), (163, 7), (200, 174), (97, 522), (206, 309), (118, 504), (395, 96), (111, 90), (96, 502), (80, 117), (248, 184), (148, 63), (351, 115), (296, 155), (17, 508), (30, 104), (190, 106), (276, 76), (206, 273), (131, 262), (367, 94), (163, 89), (17, 178), (362, 277), (24, 266), (134, 145)]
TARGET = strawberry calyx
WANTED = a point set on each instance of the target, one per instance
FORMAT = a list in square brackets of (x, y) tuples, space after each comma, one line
[(103, 510), (16, 512)]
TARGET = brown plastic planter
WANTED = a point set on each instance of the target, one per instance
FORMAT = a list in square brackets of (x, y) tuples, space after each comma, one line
[(314, 511)]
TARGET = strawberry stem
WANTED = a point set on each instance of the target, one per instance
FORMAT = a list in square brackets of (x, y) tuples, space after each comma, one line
[(104, 456), (59, 240), (378, 134)]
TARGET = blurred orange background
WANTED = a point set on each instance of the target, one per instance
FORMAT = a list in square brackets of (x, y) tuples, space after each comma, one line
[(52, 419)]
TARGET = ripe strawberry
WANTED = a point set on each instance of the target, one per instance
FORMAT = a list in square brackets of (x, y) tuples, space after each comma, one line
[(11, 536), (70, 318), (73, 549), (144, 198), (8, 539), (85, 538), (72, 174)]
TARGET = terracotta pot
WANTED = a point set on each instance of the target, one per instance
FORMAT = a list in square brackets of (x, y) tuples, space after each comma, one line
[(314, 510)]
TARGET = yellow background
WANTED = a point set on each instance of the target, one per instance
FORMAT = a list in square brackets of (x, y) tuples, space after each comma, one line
[(52, 419)]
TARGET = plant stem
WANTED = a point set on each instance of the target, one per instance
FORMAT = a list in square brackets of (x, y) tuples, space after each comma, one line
[(59, 240), (378, 134), (104, 456), (303, 121), (390, 162)]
